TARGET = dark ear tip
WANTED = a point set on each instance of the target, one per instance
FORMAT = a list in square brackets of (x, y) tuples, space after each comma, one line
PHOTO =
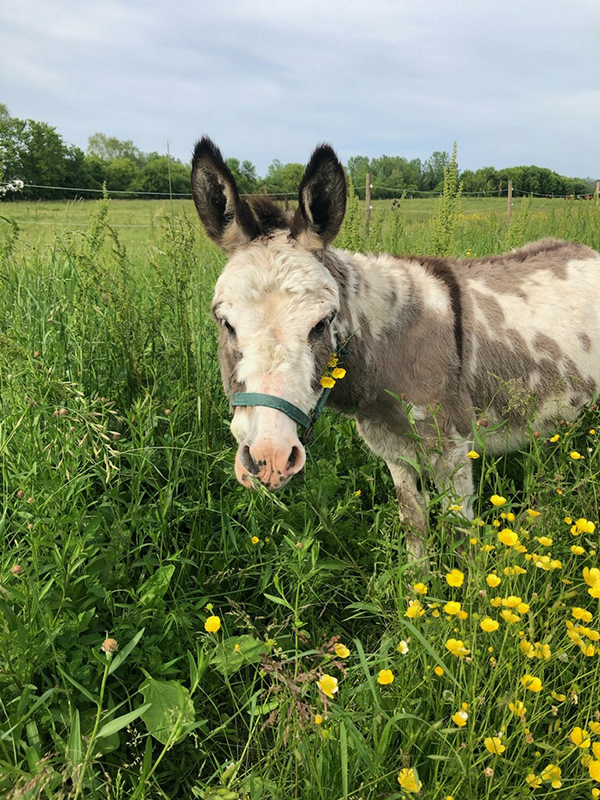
[(206, 149), (324, 152)]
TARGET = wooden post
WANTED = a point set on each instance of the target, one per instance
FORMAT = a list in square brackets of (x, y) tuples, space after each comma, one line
[(597, 192), (368, 198), (509, 210)]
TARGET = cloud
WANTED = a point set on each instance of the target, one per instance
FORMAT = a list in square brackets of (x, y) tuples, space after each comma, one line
[(511, 82)]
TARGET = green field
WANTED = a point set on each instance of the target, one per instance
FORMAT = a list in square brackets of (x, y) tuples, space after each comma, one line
[(122, 520)]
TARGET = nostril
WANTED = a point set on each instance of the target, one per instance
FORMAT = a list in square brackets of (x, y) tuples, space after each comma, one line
[(293, 459), (247, 461)]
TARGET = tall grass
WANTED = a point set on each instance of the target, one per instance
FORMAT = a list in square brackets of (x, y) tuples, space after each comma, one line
[(121, 520)]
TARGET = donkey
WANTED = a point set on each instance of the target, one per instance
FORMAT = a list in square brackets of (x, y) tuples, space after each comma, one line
[(514, 338)]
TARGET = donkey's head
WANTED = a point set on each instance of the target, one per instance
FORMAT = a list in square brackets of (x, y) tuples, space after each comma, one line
[(275, 302)]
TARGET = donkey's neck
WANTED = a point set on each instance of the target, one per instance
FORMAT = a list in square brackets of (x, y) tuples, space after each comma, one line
[(385, 301)]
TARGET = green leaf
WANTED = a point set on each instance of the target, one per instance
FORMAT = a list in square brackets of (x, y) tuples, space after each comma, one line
[(156, 586), (121, 722), (231, 654), (122, 655), (171, 710)]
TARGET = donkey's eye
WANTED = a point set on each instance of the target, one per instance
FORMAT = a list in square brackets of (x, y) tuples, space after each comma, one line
[(321, 327), (229, 328)]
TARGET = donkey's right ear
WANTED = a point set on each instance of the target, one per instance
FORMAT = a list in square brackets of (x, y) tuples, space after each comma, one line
[(226, 216)]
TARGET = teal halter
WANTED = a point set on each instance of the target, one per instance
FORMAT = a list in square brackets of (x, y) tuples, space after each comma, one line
[(308, 421)]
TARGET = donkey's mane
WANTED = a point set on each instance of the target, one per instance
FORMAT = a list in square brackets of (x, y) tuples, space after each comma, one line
[(269, 216)]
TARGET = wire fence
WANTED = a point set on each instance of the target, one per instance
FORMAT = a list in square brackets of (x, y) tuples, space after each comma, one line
[(396, 192)]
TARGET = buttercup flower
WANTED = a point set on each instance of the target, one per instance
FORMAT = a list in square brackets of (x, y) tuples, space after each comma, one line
[(341, 650), (531, 683), (402, 647), (580, 738), (582, 614), (455, 577), (439, 671), (497, 500), (452, 607), (532, 780), (493, 580), (460, 718), (409, 781), (575, 455), (518, 708), (338, 373), (212, 624), (457, 648), (328, 685), (508, 537), (489, 625), (472, 454), (385, 677), (327, 382), (420, 588), (414, 610), (494, 745), (552, 775)]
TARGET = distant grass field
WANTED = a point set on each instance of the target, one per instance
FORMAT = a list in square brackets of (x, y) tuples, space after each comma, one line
[(166, 634)]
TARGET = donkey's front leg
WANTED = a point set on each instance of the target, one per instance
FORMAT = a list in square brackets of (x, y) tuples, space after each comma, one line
[(453, 470), (411, 507)]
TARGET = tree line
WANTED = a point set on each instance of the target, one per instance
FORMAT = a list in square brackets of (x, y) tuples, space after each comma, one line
[(36, 154)]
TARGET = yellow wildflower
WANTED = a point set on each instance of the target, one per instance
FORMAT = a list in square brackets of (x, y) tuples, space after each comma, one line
[(518, 708), (552, 774), (594, 769), (555, 438), (454, 507), (328, 685), (580, 738), (385, 677), (212, 624), (575, 455), (414, 610), (327, 382), (511, 601), (497, 500), (452, 607), (338, 373), (560, 698), (533, 513), (255, 540), (582, 614), (341, 650), (402, 647), (318, 719), (455, 577), (409, 781), (420, 588), (493, 580), (545, 540), (457, 648), (509, 617), (595, 728), (577, 549), (460, 718), (439, 671), (533, 781), (472, 454), (508, 537), (489, 625), (494, 745), (531, 683)]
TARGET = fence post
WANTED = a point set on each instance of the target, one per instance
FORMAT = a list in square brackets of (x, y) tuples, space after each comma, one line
[(597, 192), (368, 198), (509, 210)]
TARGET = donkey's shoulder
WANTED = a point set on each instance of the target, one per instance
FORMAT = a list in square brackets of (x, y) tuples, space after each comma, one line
[(550, 255)]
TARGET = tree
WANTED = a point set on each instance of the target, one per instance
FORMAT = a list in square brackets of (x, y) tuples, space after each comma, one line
[(162, 175), (120, 173), (283, 178), (244, 174), (433, 171), (109, 147)]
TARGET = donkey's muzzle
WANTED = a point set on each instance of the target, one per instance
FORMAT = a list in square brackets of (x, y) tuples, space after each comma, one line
[(270, 463)]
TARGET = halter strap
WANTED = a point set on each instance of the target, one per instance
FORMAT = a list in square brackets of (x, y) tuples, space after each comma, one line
[(307, 421), (272, 401)]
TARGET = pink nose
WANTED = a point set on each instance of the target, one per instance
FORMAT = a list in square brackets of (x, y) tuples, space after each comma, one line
[(273, 464)]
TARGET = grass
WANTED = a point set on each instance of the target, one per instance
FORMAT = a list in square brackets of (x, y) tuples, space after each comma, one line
[(121, 520)]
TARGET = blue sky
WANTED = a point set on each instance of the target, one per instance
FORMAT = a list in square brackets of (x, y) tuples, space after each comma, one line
[(511, 82)]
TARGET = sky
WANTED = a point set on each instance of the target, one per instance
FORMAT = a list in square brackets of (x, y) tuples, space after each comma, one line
[(513, 82)]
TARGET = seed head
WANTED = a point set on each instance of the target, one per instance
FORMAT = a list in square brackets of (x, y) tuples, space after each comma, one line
[(110, 646), (17, 569)]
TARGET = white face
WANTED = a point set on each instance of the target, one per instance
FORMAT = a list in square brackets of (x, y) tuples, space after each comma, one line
[(277, 305)]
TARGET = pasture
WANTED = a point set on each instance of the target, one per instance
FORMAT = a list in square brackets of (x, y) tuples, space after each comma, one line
[(165, 633)]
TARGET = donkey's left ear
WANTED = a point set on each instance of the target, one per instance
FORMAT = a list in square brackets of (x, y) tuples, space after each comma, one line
[(321, 200), (226, 216)]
